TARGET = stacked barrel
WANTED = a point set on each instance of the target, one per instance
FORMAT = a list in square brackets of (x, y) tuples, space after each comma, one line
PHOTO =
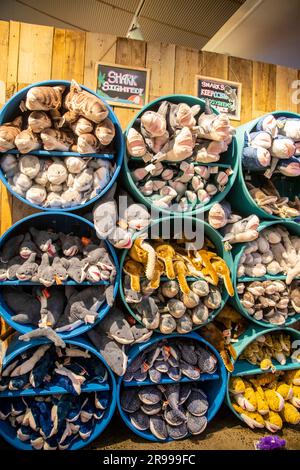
[(84, 410)]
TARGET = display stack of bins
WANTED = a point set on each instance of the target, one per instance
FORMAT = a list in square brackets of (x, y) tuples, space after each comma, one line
[(213, 384), (59, 220), (242, 201)]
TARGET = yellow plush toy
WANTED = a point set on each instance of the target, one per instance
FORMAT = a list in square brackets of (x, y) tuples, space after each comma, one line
[(285, 390), (273, 422), (293, 377), (274, 400), (266, 364), (254, 420), (290, 414), (262, 405), (296, 396), (237, 385)]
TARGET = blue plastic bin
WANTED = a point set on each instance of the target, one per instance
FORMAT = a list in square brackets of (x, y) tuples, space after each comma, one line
[(11, 109), (210, 233), (294, 228), (214, 385), (63, 222), (19, 347)]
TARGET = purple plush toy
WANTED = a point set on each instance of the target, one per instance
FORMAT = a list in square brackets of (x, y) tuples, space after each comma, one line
[(270, 443)]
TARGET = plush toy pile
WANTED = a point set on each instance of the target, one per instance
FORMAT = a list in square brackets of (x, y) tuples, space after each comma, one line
[(223, 332), (270, 301), (54, 422), (168, 154), (45, 366), (233, 227), (275, 346), (113, 335), (267, 401), (62, 119), (60, 307), (169, 310), (118, 218), (177, 303), (276, 251), (171, 411), (172, 359), (48, 257), (273, 148), (57, 182)]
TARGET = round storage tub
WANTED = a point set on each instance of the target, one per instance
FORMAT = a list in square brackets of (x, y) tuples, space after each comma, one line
[(106, 389), (294, 229), (243, 368), (213, 385), (57, 222), (156, 229), (11, 110), (228, 160), (240, 197)]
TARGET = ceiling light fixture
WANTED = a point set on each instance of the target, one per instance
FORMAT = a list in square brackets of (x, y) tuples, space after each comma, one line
[(134, 30)]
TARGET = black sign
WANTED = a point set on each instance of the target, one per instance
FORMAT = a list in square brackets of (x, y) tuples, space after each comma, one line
[(123, 86), (225, 96)]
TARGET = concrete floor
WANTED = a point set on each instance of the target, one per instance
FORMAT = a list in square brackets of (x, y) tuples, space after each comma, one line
[(225, 432)]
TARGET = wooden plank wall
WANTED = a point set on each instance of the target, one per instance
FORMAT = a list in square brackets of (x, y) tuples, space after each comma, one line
[(31, 53)]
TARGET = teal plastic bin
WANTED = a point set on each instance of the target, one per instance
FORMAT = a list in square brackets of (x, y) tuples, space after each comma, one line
[(239, 196), (294, 228), (209, 232), (228, 159), (243, 368)]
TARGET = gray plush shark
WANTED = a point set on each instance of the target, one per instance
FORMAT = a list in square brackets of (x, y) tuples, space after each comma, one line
[(116, 327), (52, 305), (70, 244), (44, 333), (27, 247), (26, 307), (13, 266), (82, 307), (28, 269), (44, 240), (112, 352), (11, 248)]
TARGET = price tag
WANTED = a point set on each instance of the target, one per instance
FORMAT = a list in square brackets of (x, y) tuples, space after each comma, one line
[(214, 170)]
